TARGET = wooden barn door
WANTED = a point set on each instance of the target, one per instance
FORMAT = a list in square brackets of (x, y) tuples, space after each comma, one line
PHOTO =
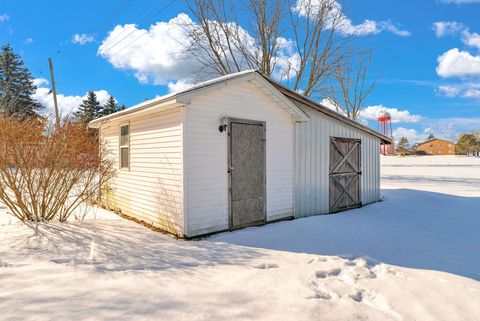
[(345, 173), (247, 173)]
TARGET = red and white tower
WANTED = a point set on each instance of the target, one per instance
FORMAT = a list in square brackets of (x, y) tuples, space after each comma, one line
[(385, 127)]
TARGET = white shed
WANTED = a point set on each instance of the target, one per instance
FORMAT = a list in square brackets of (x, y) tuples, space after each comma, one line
[(236, 151)]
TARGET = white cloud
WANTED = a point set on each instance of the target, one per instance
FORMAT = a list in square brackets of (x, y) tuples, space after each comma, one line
[(464, 89), (345, 24), (329, 103), (471, 39), (287, 61), (40, 82), (459, 63), (156, 55), (456, 63), (161, 55), (66, 104), (449, 90), (370, 113), (389, 26), (472, 93), (4, 17), (444, 28), (83, 38), (411, 134), (28, 41), (450, 128), (177, 86), (460, 1)]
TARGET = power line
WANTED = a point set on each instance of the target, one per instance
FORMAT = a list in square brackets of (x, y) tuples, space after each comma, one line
[(115, 11), (145, 18), (127, 45)]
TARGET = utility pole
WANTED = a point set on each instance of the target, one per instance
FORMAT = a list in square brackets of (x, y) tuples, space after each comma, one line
[(57, 114)]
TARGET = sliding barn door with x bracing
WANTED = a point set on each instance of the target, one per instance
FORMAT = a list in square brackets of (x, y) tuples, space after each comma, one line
[(345, 173)]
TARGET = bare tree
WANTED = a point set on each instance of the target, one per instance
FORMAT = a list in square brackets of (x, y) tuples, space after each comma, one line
[(308, 61), (267, 16), (352, 87), (476, 133), (46, 174), (320, 49), (215, 42)]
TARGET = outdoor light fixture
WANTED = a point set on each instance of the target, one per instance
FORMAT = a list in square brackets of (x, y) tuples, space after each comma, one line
[(223, 124)]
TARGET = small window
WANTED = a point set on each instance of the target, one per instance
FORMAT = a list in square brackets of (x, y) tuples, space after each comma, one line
[(125, 146)]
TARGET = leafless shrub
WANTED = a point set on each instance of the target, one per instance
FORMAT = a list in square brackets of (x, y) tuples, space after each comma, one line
[(46, 174)]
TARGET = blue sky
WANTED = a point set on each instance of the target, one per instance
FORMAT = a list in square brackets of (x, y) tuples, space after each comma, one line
[(426, 55)]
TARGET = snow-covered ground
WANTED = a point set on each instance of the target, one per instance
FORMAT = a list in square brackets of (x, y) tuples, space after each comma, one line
[(414, 256)]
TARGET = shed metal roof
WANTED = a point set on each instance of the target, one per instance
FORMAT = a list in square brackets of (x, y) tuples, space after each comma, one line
[(293, 95)]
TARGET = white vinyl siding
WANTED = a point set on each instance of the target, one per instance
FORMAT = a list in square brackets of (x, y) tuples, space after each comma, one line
[(151, 189), (312, 156), (207, 177), (177, 178)]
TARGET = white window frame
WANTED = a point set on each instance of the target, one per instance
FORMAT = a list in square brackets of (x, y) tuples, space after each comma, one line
[(120, 146)]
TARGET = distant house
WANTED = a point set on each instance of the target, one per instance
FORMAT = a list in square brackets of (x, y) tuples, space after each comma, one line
[(236, 151), (436, 146)]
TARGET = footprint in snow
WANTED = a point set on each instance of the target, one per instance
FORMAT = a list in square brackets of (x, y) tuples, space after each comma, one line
[(318, 259), (75, 261), (320, 295), (189, 264), (350, 263), (332, 272), (394, 272), (4, 263), (377, 301), (358, 296), (265, 266)]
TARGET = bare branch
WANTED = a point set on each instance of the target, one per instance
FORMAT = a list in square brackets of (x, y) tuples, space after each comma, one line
[(352, 87), (47, 174)]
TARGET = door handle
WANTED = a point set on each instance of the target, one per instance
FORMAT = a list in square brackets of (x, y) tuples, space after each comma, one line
[(230, 169)]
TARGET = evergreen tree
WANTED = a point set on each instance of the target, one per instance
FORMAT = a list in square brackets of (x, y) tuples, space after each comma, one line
[(122, 107), (89, 109), (110, 106), (16, 86), (431, 136)]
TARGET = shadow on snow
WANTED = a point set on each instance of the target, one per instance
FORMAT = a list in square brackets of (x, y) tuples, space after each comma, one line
[(410, 228), (117, 245)]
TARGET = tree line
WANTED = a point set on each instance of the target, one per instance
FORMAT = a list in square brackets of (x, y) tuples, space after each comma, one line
[(17, 88), (90, 108)]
